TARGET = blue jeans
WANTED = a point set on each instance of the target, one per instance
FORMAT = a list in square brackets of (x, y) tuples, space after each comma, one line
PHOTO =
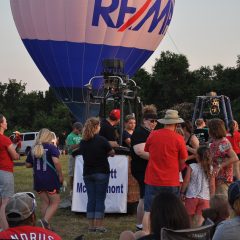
[(152, 191), (96, 185)]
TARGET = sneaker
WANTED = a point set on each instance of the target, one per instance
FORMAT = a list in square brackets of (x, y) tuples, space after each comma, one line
[(139, 227), (101, 229), (45, 224)]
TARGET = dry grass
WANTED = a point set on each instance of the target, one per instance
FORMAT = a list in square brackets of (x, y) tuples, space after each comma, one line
[(68, 224)]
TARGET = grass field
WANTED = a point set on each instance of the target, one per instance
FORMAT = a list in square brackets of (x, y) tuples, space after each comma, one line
[(69, 224)]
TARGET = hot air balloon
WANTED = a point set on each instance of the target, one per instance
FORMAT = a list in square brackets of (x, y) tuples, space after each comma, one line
[(69, 39)]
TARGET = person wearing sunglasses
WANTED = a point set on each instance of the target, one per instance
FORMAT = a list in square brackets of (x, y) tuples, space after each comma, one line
[(139, 156), (20, 213)]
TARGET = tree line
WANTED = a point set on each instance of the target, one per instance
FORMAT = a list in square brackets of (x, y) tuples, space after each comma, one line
[(170, 85), (32, 111)]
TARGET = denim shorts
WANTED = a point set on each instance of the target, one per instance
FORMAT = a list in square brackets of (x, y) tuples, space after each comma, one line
[(6, 184), (152, 191)]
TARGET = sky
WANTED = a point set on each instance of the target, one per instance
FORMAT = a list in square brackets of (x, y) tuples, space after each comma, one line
[(207, 32)]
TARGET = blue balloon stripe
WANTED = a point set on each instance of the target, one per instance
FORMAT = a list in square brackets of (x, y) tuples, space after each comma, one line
[(133, 61), (42, 53), (57, 60)]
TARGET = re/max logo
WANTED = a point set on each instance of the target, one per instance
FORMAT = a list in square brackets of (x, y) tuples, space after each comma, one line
[(150, 8)]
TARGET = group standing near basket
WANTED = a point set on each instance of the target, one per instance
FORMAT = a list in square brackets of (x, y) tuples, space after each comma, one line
[(167, 156)]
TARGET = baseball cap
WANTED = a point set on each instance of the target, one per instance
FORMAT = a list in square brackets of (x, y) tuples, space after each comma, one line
[(20, 206), (234, 192), (115, 114)]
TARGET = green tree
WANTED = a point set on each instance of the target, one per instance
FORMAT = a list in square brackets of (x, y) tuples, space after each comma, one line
[(143, 80), (167, 85)]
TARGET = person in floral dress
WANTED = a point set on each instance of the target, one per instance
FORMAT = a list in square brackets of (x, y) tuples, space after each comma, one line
[(223, 155)]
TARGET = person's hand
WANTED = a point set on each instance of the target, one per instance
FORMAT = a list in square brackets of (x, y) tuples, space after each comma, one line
[(111, 153), (61, 178), (217, 169), (182, 196)]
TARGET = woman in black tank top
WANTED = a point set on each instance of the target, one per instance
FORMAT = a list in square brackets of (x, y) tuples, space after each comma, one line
[(191, 140)]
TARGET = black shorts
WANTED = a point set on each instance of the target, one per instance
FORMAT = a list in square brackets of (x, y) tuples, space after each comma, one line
[(139, 176)]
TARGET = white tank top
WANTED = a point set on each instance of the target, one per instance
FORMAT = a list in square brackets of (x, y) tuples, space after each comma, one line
[(199, 184)]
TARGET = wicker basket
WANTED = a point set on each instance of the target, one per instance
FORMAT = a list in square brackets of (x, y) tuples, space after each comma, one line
[(133, 188)]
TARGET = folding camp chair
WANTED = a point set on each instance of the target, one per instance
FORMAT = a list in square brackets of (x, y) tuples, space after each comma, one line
[(200, 233)]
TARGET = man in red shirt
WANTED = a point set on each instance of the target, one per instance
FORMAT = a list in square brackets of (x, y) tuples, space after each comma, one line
[(167, 151), (7, 155), (20, 212)]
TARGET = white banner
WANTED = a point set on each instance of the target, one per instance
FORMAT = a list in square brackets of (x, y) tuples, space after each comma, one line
[(116, 200)]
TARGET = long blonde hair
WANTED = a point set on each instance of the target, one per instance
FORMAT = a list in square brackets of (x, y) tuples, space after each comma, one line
[(89, 129), (44, 136)]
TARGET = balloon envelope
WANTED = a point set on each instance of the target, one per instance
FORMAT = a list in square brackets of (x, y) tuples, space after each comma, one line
[(69, 39)]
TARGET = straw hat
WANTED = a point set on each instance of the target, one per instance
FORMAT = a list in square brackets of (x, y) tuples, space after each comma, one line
[(171, 117)]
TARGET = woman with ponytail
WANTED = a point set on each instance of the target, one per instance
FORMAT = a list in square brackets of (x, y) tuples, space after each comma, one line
[(95, 150), (47, 174)]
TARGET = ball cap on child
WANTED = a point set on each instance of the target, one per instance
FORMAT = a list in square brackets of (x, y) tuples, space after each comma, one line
[(20, 206), (115, 114), (234, 192)]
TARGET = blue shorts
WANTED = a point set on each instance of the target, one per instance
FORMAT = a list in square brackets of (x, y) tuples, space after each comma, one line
[(6, 184), (152, 191)]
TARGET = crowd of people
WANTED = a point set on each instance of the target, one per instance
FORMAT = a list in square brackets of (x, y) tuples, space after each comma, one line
[(193, 168)]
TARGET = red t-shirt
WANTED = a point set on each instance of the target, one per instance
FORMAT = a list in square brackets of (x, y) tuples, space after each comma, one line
[(6, 163), (29, 233), (165, 148), (235, 141)]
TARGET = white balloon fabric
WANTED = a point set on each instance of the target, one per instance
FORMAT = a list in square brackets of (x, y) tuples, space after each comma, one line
[(68, 39)]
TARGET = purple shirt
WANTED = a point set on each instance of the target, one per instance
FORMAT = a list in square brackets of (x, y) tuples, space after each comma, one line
[(44, 172)]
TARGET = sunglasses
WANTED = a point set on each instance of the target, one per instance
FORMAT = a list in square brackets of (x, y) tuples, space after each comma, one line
[(152, 120)]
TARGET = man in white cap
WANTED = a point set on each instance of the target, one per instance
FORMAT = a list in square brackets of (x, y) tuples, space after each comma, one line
[(167, 151), (20, 213)]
